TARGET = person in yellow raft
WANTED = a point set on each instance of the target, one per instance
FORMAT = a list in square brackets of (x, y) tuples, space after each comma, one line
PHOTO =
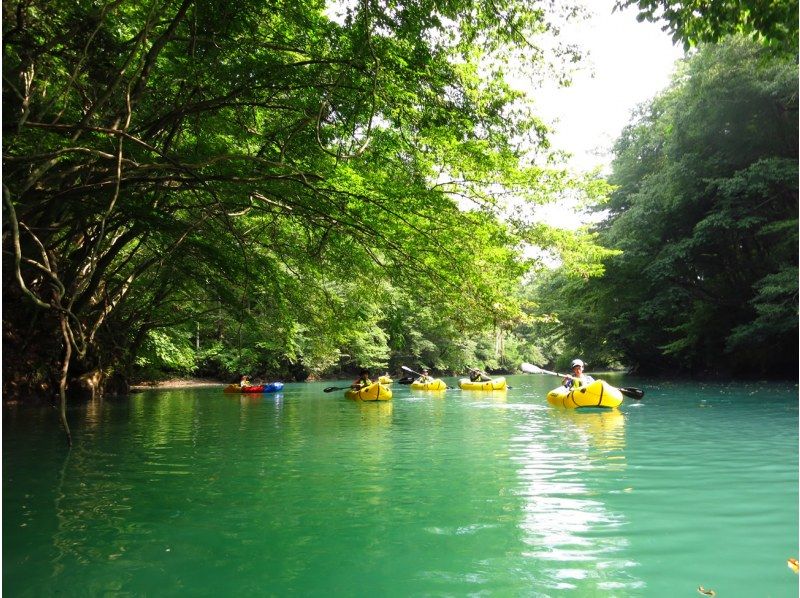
[(425, 376), (578, 378), (475, 375), (363, 380)]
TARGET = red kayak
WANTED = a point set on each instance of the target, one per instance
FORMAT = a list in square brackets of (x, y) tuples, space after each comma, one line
[(271, 387)]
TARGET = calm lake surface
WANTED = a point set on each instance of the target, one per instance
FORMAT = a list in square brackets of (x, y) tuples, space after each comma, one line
[(200, 493)]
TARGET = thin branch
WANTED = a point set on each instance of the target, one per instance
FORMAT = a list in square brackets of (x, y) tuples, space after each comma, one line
[(12, 218)]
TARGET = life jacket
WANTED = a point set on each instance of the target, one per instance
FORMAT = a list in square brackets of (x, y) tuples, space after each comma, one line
[(573, 383), (576, 383)]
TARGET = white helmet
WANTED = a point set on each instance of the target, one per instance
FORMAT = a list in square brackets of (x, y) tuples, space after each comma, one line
[(576, 362)]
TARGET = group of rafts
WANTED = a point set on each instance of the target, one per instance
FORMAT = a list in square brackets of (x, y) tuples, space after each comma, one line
[(381, 390), (595, 394)]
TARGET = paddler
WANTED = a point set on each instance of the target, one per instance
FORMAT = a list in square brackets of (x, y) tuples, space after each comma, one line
[(578, 378), (425, 377), (363, 380), (476, 375)]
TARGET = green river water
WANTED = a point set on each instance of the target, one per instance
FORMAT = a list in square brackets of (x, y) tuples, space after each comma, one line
[(200, 493)]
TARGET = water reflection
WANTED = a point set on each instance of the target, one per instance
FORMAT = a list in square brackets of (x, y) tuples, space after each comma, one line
[(571, 463), (94, 412), (247, 398), (600, 430), (251, 404), (436, 394), (376, 412)]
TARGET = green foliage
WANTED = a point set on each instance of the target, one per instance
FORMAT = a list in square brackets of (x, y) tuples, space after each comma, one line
[(705, 214), (775, 304), (699, 21), (269, 175), (165, 351)]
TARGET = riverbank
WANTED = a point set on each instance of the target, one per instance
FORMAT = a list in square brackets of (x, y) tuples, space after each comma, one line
[(178, 383)]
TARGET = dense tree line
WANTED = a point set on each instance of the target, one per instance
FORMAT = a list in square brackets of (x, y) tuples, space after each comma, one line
[(705, 214), (265, 184), (193, 186)]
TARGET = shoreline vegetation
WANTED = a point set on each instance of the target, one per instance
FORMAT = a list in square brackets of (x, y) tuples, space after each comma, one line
[(138, 198)]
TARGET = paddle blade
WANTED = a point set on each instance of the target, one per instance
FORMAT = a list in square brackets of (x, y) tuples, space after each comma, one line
[(634, 393), (529, 368), (332, 388)]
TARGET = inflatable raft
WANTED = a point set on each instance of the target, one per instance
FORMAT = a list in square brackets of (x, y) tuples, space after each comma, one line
[(271, 387), (385, 380), (494, 384), (436, 384), (596, 394), (374, 392)]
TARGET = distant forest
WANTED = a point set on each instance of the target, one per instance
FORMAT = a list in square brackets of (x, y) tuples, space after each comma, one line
[(198, 187)]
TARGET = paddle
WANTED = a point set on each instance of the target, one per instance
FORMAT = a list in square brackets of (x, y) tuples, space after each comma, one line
[(332, 388), (529, 368), (402, 367), (634, 393)]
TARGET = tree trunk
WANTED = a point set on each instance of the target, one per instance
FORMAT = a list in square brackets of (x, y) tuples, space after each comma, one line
[(62, 387)]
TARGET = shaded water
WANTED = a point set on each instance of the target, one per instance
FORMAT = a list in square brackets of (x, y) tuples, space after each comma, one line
[(194, 492)]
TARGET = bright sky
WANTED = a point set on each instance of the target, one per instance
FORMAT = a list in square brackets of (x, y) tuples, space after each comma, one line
[(631, 62), (628, 63)]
